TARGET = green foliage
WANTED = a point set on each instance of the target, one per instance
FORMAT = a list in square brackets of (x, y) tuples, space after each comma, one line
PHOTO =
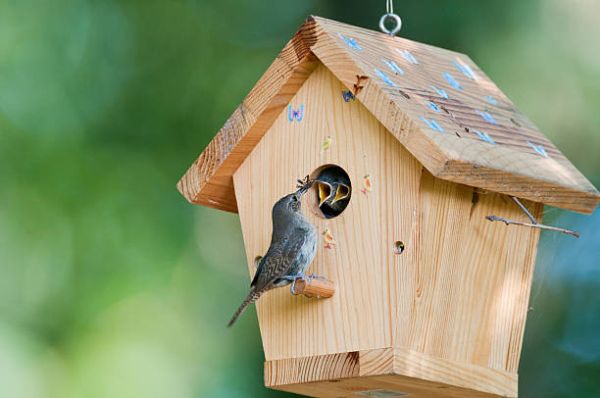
[(112, 285)]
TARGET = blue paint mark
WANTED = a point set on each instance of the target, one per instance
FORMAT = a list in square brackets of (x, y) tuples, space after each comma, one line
[(452, 81), (295, 114), (442, 93), (408, 56), (432, 124), (491, 100), (434, 107), (485, 136), (351, 42), (347, 95), (394, 67), (488, 117), (539, 149), (465, 69), (385, 78)]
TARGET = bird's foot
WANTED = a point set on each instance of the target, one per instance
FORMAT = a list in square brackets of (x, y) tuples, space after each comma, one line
[(293, 279)]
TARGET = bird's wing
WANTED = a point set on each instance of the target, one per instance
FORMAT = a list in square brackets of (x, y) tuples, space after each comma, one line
[(279, 259), (259, 269)]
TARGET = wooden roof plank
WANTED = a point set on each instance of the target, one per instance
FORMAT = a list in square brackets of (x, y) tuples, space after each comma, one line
[(436, 102)]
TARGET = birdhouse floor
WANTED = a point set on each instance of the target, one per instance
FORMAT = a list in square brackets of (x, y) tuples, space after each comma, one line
[(387, 373)]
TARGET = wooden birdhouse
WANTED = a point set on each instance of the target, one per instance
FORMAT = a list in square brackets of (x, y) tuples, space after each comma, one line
[(431, 296)]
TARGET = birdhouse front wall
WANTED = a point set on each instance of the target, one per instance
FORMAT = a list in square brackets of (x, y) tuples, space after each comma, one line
[(322, 126), (457, 293)]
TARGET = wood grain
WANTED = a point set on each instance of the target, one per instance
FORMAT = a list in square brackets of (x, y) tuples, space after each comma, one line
[(401, 370), (290, 150), (467, 284), (510, 165), (457, 295), (306, 370)]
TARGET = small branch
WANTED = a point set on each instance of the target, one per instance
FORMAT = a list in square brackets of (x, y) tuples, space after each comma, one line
[(522, 206), (536, 225)]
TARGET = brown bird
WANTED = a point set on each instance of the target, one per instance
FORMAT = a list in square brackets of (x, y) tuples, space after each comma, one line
[(292, 250)]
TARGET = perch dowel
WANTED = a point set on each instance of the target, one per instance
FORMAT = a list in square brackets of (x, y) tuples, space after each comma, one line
[(318, 287)]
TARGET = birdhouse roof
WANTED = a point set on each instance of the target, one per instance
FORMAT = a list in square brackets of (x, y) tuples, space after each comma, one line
[(436, 102)]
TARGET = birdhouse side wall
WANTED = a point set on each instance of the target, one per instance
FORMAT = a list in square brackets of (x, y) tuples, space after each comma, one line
[(465, 296)]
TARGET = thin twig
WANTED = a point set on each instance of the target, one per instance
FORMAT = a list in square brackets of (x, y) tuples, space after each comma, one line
[(522, 206), (540, 226)]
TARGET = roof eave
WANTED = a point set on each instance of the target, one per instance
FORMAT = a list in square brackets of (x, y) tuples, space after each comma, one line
[(209, 181)]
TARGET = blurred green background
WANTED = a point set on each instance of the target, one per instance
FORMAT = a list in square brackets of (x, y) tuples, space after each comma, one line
[(111, 285)]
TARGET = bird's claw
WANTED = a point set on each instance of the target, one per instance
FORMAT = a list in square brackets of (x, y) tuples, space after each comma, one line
[(294, 279)]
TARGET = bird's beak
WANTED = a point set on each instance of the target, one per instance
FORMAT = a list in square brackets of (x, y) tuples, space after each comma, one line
[(304, 188), (342, 192), (325, 191)]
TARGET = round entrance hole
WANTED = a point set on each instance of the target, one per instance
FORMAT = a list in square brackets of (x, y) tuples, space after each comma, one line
[(333, 190)]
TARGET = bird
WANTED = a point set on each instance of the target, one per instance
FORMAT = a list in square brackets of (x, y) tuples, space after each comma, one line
[(333, 191), (292, 249)]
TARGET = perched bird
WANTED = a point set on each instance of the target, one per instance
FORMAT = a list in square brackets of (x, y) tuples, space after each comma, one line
[(333, 191), (292, 250)]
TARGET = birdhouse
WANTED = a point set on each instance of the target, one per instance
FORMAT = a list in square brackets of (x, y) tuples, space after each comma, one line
[(431, 290)]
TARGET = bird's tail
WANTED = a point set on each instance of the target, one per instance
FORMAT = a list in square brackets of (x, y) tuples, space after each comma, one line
[(252, 297)]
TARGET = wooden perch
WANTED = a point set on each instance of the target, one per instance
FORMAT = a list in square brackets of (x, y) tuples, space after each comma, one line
[(315, 286)]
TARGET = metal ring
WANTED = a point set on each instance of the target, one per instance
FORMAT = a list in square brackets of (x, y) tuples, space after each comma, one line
[(397, 21)]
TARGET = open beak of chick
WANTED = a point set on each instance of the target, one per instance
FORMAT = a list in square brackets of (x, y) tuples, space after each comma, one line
[(327, 191), (342, 191)]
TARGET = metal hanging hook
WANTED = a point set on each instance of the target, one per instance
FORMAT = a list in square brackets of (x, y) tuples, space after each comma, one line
[(389, 15)]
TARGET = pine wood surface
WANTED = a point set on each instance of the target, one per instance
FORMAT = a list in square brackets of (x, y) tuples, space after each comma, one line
[(346, 374), (400, 101), (458, 293)]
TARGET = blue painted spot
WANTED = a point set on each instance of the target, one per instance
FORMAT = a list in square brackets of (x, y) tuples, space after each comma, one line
[(452, 81), (442, 93), (432, 124), (351, 42), (433, 106), (385, 78), (394, 67), (465, 69), (347, 95), (539, 149), (295, 114), (408, 56), (488, 117), (491, 100), (485, 136)]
